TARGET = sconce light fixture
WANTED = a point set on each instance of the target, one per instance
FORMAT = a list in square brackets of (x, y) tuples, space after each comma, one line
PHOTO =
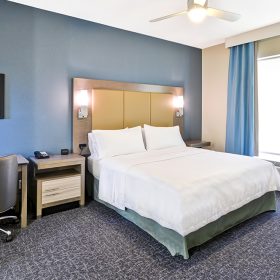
[(82, 100), (178, 103)]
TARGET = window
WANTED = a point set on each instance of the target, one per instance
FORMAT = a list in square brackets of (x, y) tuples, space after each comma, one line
[(269, 106)]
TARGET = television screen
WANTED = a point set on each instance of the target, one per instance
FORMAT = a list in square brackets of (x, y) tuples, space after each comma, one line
[(2, 93)]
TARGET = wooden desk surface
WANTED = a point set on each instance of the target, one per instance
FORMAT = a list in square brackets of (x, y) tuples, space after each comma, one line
[(21, 160)]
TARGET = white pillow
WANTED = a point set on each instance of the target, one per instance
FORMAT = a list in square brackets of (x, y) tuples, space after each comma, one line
[(109, 143), (92, 142), (162, 137)]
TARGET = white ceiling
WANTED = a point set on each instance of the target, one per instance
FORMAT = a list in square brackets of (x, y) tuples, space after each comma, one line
[(134, 15)]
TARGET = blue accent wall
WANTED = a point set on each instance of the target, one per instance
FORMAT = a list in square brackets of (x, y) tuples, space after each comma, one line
[(40, 53)]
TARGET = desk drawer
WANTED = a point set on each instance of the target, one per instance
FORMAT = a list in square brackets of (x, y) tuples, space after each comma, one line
[(61, 189)]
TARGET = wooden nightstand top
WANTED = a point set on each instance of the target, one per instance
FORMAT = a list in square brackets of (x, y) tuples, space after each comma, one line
[(197, 143), (58, 161)]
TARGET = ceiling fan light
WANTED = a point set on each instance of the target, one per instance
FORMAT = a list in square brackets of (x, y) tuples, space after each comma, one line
[(197, 14), (200, 2)]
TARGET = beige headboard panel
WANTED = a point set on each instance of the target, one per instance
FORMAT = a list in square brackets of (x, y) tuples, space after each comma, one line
[(115, 109), (114, 105), (162, 111), (137, 108), (107, 109)]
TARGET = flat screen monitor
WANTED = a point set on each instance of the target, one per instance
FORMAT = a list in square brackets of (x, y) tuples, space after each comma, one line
[(2, 96)]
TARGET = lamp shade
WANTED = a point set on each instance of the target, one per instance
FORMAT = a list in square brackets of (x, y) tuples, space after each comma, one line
[(178, 101), (82, 98)]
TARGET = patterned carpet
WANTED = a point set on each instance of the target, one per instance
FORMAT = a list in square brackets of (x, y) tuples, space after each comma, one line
[(96, 243)]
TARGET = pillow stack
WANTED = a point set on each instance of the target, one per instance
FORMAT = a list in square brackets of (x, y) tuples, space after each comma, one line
[(109, 143)]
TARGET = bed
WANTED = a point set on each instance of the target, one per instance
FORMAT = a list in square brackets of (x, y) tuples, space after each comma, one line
[(185, 196), (181, 196)]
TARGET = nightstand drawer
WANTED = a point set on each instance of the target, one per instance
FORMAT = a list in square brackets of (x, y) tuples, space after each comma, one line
[(61, 189), (58, 179)]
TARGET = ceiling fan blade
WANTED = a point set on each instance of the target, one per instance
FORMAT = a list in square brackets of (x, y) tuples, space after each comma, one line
[(169, 16), (223, 14)]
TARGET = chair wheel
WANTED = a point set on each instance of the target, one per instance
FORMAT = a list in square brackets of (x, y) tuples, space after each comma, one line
[(9, 238)]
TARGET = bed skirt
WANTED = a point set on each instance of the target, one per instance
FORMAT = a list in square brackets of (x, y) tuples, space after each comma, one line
[(180, 245)]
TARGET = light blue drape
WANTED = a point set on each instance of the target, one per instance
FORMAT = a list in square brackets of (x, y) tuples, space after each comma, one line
[(240, 104)]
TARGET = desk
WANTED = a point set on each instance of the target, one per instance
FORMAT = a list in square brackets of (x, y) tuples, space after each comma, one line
[(22, 168)]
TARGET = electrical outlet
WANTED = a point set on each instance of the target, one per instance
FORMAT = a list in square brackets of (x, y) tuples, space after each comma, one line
[(81, 146)]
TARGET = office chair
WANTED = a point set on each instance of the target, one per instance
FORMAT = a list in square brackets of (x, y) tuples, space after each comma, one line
[(8, 188)]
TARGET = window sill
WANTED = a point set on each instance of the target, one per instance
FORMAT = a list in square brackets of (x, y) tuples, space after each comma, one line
[(270, 157)]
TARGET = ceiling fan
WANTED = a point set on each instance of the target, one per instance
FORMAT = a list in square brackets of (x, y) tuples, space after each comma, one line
[(197, 10)]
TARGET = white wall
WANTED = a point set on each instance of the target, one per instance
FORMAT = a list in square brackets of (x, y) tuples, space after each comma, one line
[(254, 35), (215, 62)]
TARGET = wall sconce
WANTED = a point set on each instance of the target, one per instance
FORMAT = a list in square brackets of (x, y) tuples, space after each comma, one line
[(178, 103), (82, 101)]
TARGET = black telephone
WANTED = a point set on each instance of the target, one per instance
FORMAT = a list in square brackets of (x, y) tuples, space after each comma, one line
[(41, 155)]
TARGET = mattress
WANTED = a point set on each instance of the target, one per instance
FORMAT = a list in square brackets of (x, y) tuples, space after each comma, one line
[(184, 188), (94, 166)]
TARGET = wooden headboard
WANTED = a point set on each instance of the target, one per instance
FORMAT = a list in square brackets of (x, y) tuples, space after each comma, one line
[(115, 105)]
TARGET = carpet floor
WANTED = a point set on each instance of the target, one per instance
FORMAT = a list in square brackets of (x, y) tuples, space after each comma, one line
[(94, 242)]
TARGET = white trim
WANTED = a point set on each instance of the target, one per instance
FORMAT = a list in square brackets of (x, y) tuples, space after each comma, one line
[(269, 57), (254, 35)]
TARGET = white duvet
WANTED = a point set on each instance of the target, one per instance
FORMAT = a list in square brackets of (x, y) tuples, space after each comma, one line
[(184, 188)]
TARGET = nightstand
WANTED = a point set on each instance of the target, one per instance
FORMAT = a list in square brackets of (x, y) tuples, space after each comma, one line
[(58, 179), (197, 143)]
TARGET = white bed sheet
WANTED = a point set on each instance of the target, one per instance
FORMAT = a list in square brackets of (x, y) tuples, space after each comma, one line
[(94, 166), (184, 188)]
